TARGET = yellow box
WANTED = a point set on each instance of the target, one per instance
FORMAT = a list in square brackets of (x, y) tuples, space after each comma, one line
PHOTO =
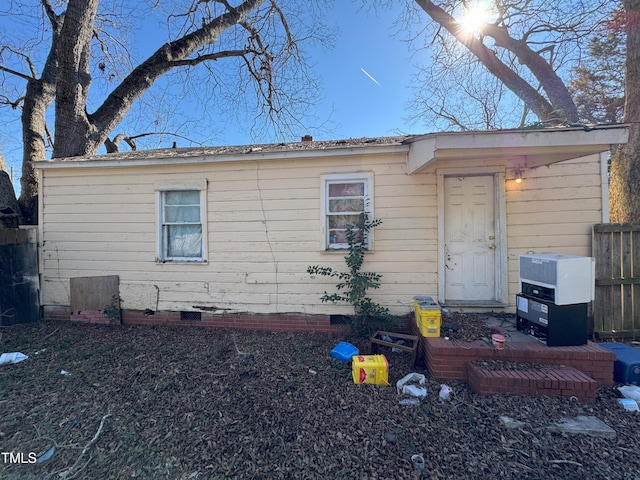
[(370, 369), (429, 322), (428, 316)]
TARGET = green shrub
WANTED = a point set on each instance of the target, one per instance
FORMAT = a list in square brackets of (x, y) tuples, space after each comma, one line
[(353, 285)]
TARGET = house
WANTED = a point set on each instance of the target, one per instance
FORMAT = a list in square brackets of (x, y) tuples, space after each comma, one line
[(223, 236)]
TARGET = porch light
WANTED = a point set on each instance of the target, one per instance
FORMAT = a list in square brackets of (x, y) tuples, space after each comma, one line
[(518, 176)]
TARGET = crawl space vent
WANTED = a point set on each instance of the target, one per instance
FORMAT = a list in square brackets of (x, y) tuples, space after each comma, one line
[(191, 316), (338, 320)]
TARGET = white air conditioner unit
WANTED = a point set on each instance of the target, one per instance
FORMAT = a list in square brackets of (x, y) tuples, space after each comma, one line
[(561, 279)]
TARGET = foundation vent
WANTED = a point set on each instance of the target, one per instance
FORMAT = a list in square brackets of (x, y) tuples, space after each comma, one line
[(191, 316)]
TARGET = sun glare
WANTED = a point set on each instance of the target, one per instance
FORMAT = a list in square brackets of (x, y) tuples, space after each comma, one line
[(474, 18)]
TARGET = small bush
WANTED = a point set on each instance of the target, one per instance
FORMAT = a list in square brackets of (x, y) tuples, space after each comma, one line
[(353, 285)]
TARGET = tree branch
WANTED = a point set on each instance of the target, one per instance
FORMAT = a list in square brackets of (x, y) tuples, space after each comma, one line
[(114, 146), (10, 71), (191, 62), (544, 73), (171, 54), (15, 73), (69, 472), (54, 18), (538, 104), (283, 20), (15, 104)]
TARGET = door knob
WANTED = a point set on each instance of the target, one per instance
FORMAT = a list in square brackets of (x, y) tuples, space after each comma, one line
[(492, 246), (491, 237)]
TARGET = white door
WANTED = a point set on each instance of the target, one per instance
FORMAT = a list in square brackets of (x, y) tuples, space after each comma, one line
[(470, 239)]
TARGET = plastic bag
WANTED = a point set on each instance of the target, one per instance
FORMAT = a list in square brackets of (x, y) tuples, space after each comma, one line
[(630, 391), (414, 390), (445, 393), (13, 357)]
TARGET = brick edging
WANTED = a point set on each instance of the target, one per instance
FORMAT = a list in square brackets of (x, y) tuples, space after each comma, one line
[(563, 381), (449, 359), (273, 322)]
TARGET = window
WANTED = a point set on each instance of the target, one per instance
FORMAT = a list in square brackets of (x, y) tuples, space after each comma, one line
[(345, 198), (181, 219)]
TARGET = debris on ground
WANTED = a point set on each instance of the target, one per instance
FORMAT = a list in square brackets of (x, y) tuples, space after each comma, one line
[(13, 357), (183, 400)]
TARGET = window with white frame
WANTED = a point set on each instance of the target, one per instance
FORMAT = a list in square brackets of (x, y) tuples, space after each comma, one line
[(181, 236), (346, 197)]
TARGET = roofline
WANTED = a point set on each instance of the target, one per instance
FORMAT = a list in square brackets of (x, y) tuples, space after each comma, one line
[(428, 148), (518, 131), (186, 156)]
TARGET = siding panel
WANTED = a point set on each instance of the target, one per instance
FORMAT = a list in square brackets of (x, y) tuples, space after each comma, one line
[(263, 224), (552, 210)]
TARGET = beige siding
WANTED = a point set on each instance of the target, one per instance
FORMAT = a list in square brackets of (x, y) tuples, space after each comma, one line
[(264, 229), (553, 210)]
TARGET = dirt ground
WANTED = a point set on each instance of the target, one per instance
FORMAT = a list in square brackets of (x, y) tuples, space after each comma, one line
[(190, 403)]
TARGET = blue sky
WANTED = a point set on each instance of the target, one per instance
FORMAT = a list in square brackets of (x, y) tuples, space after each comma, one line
[(355, 105), (362, 107)]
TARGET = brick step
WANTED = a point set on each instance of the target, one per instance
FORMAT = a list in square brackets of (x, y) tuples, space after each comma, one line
[(563, 381)]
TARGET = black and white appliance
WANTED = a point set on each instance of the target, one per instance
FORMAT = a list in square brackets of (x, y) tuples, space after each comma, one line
[(555, 292)]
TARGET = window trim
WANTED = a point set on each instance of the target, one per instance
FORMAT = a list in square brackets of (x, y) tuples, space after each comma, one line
[(161, 244), (326, 180)]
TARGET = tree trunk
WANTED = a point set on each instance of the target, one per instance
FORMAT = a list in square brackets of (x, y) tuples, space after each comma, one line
[(38, 97), (72, 127), (624, 196), (79, 133)]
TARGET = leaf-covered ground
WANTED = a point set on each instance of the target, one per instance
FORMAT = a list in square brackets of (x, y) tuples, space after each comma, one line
[(182, 403)]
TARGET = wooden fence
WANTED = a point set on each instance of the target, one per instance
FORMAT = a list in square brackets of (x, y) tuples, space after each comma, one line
[(616, 308)]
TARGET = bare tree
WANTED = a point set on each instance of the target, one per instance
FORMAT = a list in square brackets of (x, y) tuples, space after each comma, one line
[(458, 101), (255, 39), (533, 47), (529, 46)]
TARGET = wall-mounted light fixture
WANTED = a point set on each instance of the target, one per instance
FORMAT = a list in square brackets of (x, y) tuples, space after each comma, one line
[(518, 176)]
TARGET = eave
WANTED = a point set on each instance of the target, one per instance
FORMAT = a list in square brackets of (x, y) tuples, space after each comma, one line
[(532, 148)]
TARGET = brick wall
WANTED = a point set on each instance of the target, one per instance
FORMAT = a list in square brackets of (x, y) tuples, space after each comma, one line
[(449, 359), (90, 316), (562, 380), (283, 322)]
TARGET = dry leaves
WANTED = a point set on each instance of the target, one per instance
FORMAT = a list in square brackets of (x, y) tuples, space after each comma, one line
[(185, 405)]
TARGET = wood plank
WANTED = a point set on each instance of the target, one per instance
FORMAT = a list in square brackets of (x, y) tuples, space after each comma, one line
[(635, 289), (618, 281), (616, 292), (554, 181), (12, 236), (625, 270), (89, 221), (550, 242), (568, 228), (94, 293), (601, 252), (615, 227)]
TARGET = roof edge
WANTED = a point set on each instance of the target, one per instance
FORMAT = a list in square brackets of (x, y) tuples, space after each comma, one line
[(270, 152)]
